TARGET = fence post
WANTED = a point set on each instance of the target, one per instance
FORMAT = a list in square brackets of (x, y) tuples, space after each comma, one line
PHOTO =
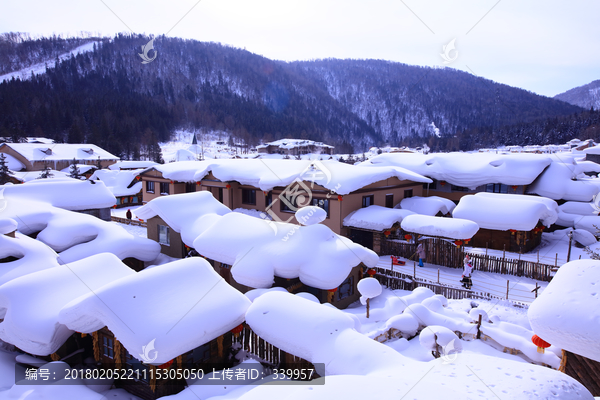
[(438, 275), (507, 285), (478, 327), (503, 260), (556, 261), (415, 269)]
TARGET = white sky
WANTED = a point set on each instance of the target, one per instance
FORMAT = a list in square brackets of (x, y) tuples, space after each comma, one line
[(543, 46)]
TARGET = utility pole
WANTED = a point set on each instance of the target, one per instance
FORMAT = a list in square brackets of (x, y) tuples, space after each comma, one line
[(570, 243)]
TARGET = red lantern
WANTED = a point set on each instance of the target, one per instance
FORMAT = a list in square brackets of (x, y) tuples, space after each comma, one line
[(408, 237), (237, 330), (332, 290), (165, 365), (228, 186), (197, 183), (115, 206), (443, 183), (514, 187), (512, 231), (171, 181), (458, 243), (540, 343), (467, 241), (340, 198), (387, 233), (371, 272)]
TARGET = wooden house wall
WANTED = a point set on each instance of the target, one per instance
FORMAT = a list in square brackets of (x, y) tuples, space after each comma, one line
[(521, 241), (582, 369)]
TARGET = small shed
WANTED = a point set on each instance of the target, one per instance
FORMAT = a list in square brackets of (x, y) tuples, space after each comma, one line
[(506, 221)]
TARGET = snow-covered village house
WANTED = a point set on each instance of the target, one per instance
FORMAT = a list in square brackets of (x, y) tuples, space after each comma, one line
[(294, 147), (506, 221), (125, 185), (57, 156), (276, 188), (302, 258)]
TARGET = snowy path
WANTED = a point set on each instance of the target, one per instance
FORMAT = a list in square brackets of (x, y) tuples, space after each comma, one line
[(495, 284)]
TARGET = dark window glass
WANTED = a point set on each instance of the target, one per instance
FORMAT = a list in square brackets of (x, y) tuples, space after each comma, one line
[(150, 186), (346, 288), (389, 200), (322, 203), (459, 188), (249, 196), (164, 188), (368, 201), (408, 193)]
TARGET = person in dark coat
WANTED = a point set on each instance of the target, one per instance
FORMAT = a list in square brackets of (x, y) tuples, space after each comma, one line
[(128, 214), (468, 269)]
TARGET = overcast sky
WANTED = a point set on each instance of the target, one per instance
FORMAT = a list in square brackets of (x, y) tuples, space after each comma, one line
[(543, 46)]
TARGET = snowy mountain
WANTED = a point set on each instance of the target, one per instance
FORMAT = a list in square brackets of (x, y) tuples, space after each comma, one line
[(585, 96), (108, 97)]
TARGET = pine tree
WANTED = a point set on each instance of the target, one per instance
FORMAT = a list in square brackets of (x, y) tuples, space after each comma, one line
[(5, 173), (74, 170), (45, 174)]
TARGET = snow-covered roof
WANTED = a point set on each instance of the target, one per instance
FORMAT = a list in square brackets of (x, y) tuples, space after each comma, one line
[(186, 213), (559, 182), (292, 143), (54, 175), (60, 151), (42, 206), (269, 173), (453, 228), (592, 150), (83, 168), (126, 164), (171, 308), (427, 205), (259, 249), (32, 302), (118, 182), (12, 163), (506, 211), (375, 218), (469, 169), (567, 313)]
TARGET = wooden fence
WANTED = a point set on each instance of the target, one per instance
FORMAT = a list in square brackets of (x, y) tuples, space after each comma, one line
[(268, 354), (440, 252), (126, 221), (397, 280)]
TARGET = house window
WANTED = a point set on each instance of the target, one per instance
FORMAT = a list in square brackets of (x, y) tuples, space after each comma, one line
[(220, 194), (321, 203), (164, 188), (132, 363), (150, 186), (163, 235), (249, 196), (190, 187), (389, 200), (455, 188), (408, 193), (108, 347), (269, 199), (496, 188), (199, 354), (368, 201), (346, 288)]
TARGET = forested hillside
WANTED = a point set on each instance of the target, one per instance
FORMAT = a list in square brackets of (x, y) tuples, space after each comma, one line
[(108, 97)]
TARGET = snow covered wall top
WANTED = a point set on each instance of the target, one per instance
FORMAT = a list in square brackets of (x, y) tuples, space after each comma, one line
[(269, 173), (375, 218), (173, 308), (506, 211), (469, 169), (567, 313), (118, 181), (427, 205), (453, 228)]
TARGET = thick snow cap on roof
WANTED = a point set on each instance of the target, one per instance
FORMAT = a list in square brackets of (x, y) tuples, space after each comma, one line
[(453, 228), (60, 151), (567, 313), (132, 165), (506, 211), (31, 303), (427, 205), (185, 213), (557, 182), (469, 169), (592, 150), (118, 181), (266, 174), (376, 218), (68, 194), (12, 163), (292, 143), (258, 250), (7, 225), (171, 308)]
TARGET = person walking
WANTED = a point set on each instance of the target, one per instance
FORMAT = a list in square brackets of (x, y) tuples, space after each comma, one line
[(467, 283), (421, 253), (128, 214)]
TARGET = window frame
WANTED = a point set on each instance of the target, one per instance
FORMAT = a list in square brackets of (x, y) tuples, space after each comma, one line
[(164, 192), (150, 187), (408, 193), (343, 295), (108, 347), (389, 198), (315, 202), (252, 200), (371, 197), (167, 233)]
